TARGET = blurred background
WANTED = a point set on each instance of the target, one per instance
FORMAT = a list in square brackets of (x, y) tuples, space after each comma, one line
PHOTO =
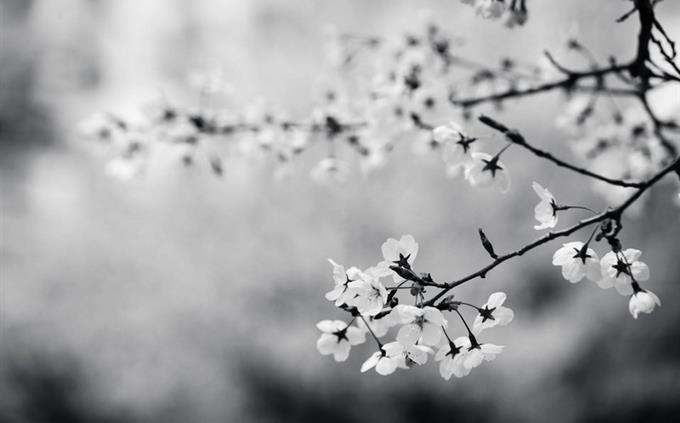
[(184, 297)]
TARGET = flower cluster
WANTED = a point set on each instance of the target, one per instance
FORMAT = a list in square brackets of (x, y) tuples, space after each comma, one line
[(618, 268), (480, 169), (380, 92), (512, 12), (421, 329)]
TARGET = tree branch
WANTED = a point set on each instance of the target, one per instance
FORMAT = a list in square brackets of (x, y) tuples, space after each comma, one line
[(517, 138), (615, 214)]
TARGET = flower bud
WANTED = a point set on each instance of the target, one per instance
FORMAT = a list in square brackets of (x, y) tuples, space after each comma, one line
[(643, 301)]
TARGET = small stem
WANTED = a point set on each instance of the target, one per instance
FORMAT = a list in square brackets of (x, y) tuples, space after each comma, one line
[(465, 323), (380, 345)]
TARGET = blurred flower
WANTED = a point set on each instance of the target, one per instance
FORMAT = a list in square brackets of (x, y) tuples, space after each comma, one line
[(486, 171), (419, 323), (210, 82), (457, 147), (493, 313), (577, 262), (546, 211), (100, 126), (330, 170), (126, 168), (337, 338), (643, 301), (618, 268), (450, 357), (490, 9), (386, 360)]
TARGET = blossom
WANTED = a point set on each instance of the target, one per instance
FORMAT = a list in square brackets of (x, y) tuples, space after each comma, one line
[(402, 253), (546, 211), (407, 356), (577, 262), (406, 249), (386, 360), (457, 147), (420, 323), (486, 171), (370, 294), (337, 338), (643, 301), (490, 9), (341, 293), (617, 270), (493, 313), (477, 353), (450, 357), (330, 170)]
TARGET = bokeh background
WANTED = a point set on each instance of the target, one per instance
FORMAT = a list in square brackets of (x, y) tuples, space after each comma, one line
[(184, 297)]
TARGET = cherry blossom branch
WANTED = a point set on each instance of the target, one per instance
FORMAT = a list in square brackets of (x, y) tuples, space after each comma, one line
[(568, 82), (613, 214), (515, 137)]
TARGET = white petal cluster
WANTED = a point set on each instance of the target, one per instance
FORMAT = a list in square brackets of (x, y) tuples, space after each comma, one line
[(420, 324), (493, 313), (457, 152), (480, 169), (577, 261), (418, 330), (487, 171), (643, 302), (546, 210), (619, 269), (337, 338)]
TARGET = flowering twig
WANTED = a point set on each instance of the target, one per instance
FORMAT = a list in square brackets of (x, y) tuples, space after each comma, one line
[(517, 138), (614, 214)]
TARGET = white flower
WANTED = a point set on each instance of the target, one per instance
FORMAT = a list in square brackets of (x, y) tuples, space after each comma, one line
[(386, 360), (405, 249), (420, 323), (450, 357), (402, 252), (457, 152), (477, 353), (577, 262), (330, 170), (370, 295), (643, 301), (341, 293), (486, 171), (493, 313), (337, 338), (546, 211), (490, 9), (407, 356), (616, 271), (379, 325)]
